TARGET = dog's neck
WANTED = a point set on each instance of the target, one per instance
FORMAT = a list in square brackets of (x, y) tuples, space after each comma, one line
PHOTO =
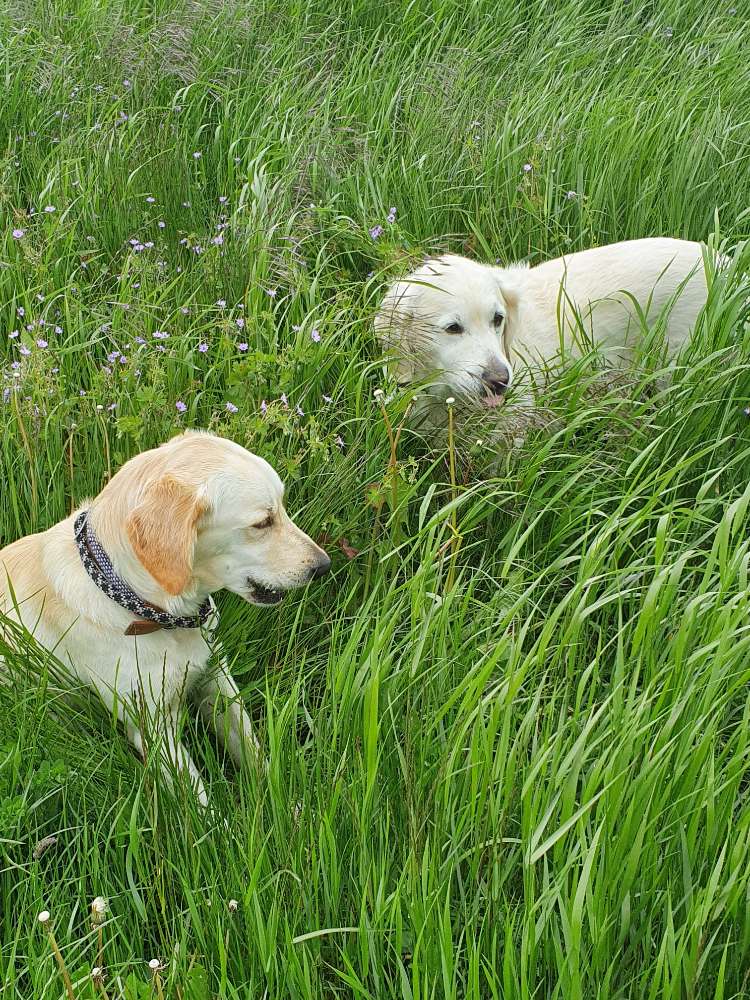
[(107, 521)]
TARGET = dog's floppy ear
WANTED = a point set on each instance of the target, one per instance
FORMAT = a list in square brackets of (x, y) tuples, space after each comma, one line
[(510, 289), (162, 530), (393, 323)]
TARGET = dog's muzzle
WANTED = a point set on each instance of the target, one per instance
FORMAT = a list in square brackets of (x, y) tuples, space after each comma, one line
[(496, 382)]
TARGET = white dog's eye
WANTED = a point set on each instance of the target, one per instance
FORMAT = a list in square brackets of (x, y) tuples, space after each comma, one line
[(498, 318), (263, 524), (454, 328)]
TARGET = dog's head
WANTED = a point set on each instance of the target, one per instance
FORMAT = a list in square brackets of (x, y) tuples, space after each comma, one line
[(451, 321), (203, 514)]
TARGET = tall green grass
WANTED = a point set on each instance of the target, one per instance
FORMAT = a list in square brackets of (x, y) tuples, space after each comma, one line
[(532, 783)]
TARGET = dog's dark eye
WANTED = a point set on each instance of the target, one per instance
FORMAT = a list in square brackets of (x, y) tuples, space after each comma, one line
[(454, 328), (263, 524), (498, 318)]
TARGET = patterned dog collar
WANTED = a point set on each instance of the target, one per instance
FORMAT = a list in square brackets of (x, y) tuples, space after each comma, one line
[(97, 564)]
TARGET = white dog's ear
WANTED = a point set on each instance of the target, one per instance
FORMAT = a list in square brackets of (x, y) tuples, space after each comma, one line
[(163, 529), (510, 290), (393, 323)]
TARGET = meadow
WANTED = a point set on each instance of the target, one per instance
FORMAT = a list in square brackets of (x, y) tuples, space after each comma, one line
[(509, 735)]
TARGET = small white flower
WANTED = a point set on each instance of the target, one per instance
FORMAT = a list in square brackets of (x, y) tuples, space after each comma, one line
[(450, 401), (43, 917), (154, 965), (232, 905), (378, 393)]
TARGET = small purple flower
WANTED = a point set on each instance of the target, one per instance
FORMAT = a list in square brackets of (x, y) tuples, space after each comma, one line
[(231, 408), (23, 349), (296, 327), (49, 208), (161, 224), (314, 335), (263, 406), (284, 400), (203, 348), (139, 340), (21, 311), (15, 365), (81, 392), (18, 234), (127, 83), (339, 441), (180, 406), (571, 195), (242, 347), (221, 303), (223, 199), (13, 334), (160, 334), (123, 359), (392, 215), (327, 399), (240, 323), (218, 240), (42, 343), (271, 293), (150, 200), (376, 232), (58, 329), (299, 411), (184, 310), (527, 168)]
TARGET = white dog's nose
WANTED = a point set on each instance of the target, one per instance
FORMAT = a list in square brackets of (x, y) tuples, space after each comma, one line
[(497, 379)]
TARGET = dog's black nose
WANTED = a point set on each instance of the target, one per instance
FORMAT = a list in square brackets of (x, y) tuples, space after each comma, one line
[(497, 379), (321, 567)]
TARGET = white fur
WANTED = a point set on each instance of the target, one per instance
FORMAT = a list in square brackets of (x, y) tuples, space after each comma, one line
[(231, 492), (539, 307)]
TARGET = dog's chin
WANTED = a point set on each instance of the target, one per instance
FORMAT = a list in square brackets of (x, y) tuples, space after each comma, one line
[(258, 593)]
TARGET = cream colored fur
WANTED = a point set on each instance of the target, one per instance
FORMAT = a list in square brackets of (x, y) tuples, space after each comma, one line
[(179, 522)]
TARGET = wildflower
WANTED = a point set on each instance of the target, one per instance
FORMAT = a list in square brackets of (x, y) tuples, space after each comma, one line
[(41, 343), (161, 224), (180, 406), (218, 240), (240, 323), (271, 293), (296, 327), (150, 200), (314, 335), (231, 408), (123, 359), (376, 232), (223, 199), (43, 918), (23, 349), (299, 411), (99, 907), (571, 195), (284, 400), (13, 334), (184, 310), (232, 905), (197, 156), (392, 215), (221, 303), (327, 399), (263, 406), (49, 208), (58, 329), (339, 441), (160, 335), (242, 347), (527, 168), (139, 340), (126, 83), (21, 311), (203, 348), (17, 235), (450, 401)]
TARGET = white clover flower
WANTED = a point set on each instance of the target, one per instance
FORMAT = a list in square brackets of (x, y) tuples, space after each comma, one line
[(43, 917)]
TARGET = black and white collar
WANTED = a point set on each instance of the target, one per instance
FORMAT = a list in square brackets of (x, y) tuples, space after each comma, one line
[(97, 564)]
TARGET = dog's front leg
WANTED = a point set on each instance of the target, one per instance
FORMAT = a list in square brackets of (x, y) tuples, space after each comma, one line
[(173, 754), (220, 704)]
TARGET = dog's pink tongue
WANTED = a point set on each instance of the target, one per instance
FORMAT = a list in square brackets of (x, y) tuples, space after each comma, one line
[(492, 401)]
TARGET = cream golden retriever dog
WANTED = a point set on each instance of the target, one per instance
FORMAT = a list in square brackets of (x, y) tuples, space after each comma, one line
[(119, 590), (470, 326)]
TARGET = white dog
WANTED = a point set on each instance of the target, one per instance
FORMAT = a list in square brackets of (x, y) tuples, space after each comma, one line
[(468, 324), (120, 588)]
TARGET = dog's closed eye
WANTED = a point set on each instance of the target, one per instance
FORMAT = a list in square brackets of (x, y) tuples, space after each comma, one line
[(454, 328), (265, 523)]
